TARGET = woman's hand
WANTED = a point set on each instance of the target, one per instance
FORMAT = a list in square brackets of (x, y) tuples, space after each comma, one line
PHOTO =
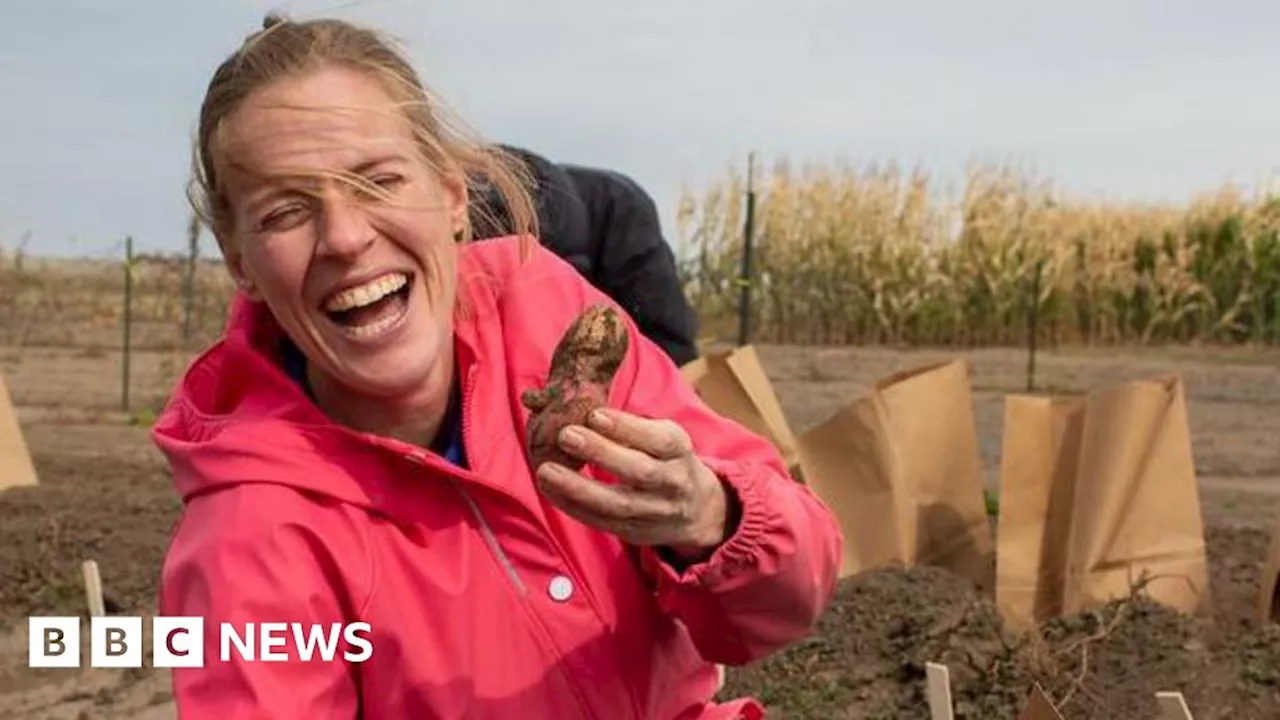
[(665, 495)]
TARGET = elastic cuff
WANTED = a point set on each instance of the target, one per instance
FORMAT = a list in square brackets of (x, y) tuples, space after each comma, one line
[(742, 547)]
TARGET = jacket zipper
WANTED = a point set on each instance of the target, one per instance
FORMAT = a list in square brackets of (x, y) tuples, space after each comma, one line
[(496, 548)]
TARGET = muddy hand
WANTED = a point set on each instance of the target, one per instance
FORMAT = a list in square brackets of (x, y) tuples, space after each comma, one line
[(665, 496)]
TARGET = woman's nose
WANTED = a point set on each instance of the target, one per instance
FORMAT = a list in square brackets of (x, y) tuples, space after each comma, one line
[(344, 229)]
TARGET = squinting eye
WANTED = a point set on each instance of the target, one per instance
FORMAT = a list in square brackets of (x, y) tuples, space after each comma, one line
[(386, 181), (283, 218), (377, 187)]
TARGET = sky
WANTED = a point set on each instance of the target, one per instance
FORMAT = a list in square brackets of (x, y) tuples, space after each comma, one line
[(1124, 99)]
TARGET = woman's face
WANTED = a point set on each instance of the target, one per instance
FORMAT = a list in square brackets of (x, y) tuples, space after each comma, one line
[(364, 285)]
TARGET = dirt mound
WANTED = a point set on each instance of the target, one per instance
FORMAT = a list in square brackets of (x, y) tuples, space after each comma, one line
[(867, 657)]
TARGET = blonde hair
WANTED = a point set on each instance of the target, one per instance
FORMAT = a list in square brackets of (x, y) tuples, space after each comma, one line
[(285, 48)]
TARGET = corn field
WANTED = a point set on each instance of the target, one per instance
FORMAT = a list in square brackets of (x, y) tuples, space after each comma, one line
[(873, 256), (843, 255)]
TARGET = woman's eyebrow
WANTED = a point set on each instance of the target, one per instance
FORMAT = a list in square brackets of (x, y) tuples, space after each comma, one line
[(368, 165), (265, 186)]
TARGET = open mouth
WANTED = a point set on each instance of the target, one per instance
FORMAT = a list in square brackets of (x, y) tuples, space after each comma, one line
[(369, 309)]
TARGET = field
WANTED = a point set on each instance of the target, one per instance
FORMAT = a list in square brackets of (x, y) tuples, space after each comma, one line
[(105, 495), (860, 274)]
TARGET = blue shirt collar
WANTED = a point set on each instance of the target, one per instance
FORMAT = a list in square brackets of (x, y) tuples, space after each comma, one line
[(448, 442)]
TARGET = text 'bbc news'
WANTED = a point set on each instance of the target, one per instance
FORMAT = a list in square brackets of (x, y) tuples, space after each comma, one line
[(179, 642)]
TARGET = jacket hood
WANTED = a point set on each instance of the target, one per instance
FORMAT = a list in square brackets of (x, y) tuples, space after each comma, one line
[(237, 417)]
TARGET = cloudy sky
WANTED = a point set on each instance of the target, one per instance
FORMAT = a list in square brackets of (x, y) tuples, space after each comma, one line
[(1140, 99)]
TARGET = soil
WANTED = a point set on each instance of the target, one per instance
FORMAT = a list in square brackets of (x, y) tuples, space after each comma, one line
[(124, 527), (105, 494), (867, 657)]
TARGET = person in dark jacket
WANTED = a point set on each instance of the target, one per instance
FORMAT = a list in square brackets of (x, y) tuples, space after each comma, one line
[(605, 225)]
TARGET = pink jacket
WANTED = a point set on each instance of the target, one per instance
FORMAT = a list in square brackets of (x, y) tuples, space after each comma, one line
[(484, 600)]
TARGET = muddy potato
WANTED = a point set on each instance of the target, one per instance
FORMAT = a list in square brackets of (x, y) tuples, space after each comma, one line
[(582, 370)]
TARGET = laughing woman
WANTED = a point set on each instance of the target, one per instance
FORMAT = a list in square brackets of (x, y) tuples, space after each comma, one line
[(353, 448)]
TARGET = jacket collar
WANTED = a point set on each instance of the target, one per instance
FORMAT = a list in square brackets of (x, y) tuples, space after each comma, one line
[(237, 416)]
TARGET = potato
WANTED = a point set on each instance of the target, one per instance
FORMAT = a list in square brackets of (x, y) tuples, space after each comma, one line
[(582, 370)]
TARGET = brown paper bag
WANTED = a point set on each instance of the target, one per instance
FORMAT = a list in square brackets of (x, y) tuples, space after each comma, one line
[(735, 385), (1137, 504), (1038, 470), (901, 470), (16, 468), (1096, 492)]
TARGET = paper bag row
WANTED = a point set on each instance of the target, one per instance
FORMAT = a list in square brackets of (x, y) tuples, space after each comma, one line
[(1095, 491)]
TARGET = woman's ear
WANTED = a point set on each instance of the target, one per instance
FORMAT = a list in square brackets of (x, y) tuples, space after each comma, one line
[(455, 188), (248, 288)]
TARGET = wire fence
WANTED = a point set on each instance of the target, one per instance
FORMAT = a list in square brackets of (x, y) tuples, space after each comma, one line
[(842, 260), (177, 304), (115, 301)]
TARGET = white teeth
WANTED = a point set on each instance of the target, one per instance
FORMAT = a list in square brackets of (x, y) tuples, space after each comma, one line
[(366, 294), (367, 331)]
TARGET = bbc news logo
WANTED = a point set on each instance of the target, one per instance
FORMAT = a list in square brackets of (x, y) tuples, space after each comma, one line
[(179, 642)]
